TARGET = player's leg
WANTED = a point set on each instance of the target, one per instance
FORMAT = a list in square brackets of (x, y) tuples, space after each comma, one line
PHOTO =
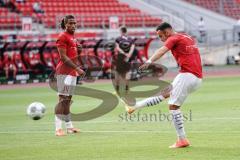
[(120, 80), (152, 101), (148, 102), (71, 82), (62, 113), (126, 79), (59, 109), (67, 117), (183, 85), (118, 72), (117, 82), (65, 90), (179, 126), (66, 111), (59, 115)]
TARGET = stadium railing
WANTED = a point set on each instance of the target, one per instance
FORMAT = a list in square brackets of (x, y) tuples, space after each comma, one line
[(96, 58)]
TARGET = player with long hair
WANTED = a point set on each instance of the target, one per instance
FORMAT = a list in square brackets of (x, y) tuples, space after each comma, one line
[(67, 71)]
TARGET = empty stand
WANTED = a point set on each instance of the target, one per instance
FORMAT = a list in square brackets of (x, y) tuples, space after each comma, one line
[(230, 8), (9, 20), (91, 13)]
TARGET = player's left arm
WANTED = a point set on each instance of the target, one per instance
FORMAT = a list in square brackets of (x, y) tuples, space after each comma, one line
[(157, 55), (79, 51), (119, 49), (131, 51)]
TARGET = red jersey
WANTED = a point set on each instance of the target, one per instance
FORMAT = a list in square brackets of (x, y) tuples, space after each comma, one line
[(67, 41), (186, 53)]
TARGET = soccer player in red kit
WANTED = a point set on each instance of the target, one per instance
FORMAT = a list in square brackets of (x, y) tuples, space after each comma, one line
[(67, 71), (189, 78)]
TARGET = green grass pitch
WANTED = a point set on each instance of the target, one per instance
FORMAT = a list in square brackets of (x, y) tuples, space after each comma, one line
[(214, 130)]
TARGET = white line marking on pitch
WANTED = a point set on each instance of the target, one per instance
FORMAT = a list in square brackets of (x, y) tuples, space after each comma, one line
[(112, 131), (124, 121)]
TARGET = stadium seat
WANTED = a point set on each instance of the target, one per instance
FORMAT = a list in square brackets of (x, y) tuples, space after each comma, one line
[(19, 63), (55, 58), (94, 60), (141, 56), (48, 60), (8, 62), (32, 59), (92, 13), (108, 56), (231, 8), (9, 20), (84, 60), (1, 67)]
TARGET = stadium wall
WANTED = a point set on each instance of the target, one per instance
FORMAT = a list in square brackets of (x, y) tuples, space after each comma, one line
[(218, 55)]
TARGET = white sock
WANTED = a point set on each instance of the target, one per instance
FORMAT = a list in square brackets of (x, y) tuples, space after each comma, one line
[(68, 122), (178, 123), (58, 122), (149, 102)]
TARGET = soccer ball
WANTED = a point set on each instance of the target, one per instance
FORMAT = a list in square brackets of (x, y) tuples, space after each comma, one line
[(36, 110)]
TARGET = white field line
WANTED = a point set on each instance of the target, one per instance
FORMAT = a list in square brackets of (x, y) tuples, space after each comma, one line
[(217, 118), (135, 120), (119, 131)]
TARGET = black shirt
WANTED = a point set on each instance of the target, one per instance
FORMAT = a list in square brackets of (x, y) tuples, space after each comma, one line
[(125, 43)]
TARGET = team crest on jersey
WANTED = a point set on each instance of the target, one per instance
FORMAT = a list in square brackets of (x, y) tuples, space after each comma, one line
[(74, 40)]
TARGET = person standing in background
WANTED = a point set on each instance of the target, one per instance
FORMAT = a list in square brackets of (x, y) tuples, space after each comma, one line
[(202, 30)]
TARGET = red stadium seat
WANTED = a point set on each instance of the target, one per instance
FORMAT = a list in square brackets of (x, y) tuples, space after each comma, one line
[(85, 60), (94, 60), (19, 63), (93, 12), (55, 58), (1, 65), (101, 54), (8, 62), (48, 60), (141, 56), (231, 7), (31, 59), (108, 56)]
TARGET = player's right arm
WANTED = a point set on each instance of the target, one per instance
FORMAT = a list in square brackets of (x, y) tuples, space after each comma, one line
[(119, 49), (157, 55), (129, 55), (66, 60)]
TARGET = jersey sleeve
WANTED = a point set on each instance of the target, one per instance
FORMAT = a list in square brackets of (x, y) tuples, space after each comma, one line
[(132, 41), (170, 43), (117, 40), (61, 42)]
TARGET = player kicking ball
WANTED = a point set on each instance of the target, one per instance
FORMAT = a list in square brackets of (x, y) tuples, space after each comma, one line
[(67, 71), (189, 78)]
